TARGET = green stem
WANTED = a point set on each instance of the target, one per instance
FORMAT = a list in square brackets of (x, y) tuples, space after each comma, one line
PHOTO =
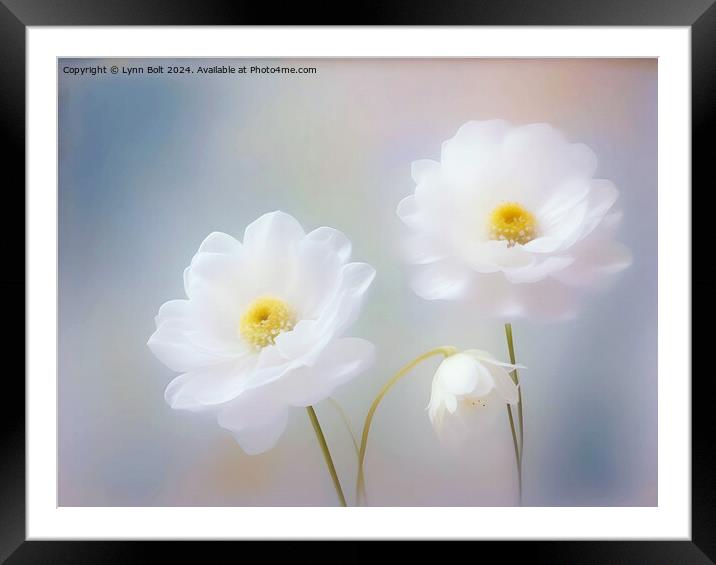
[(517, 453), (360, 483), (326, 453), (520, 419), (346, 421)]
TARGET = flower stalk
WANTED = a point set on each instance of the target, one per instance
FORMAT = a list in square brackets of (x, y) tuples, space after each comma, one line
[(326, 454), (518, 461), (446, 351), (519, 444)]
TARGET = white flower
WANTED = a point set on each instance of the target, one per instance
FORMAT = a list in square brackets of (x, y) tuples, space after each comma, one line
[(512, 219), (261, 329), (469, 389)]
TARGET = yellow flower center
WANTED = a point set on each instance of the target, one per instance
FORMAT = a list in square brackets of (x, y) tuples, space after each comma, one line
[(264, 319), (512, 223)]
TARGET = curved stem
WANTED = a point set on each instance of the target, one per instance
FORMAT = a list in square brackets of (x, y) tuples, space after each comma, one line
[(326, 454), (516, 378), (360, 483), (518, 462), (346, 422)]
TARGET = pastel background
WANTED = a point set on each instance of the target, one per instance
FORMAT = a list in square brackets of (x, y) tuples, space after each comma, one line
[(150, 164)]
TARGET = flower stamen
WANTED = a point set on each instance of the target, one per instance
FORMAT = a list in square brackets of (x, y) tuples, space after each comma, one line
[(513, 223), (264, 319)]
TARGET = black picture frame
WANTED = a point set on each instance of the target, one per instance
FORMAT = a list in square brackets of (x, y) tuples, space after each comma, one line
[(17, 15)]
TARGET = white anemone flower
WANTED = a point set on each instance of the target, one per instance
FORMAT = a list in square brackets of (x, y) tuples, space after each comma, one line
[(512, 219), (469, 390), (261, 330)]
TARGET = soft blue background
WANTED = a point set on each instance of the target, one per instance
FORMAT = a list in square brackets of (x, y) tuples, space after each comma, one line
[(149, 165)]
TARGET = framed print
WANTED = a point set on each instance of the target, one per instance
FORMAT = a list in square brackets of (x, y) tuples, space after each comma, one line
[(396, 282)]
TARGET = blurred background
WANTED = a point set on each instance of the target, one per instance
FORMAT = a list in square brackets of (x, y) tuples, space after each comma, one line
[(150, 164)]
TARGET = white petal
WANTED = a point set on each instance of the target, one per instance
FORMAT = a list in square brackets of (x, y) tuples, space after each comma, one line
[(539, 271), (275, 229), (355, 279), (187, 279), (219, 292), (473, 419), (547, 299), (208, 386), (484, 383), (218, 275), (341, 360), (494, 296), (271, 365), (421, 249), (602, 197), (488, 358), (564, 200), (218, 242), (315, 278), (471, 152), (299, 341), (596, 263), (171, 346), (504, 384), (450, 402), (436, 406), (539, 157), (409, 211), (257, 418), (422, 168), (309, 337), (173, 399), (176, 312), (333, 240), (561, 234), (440, 280), (458, 374), (255, 440), (493, 256)]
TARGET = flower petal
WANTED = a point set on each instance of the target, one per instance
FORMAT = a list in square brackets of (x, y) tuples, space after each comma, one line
[(409, 211), (457, 374), (334, 241), (504, 384), (539, 271), (440, 280), (309, 337), (421, 249), (316, 276), (273, 230), (171, 346), (175, 312), (341, 360), (596, 264), (488, 358), (562, 233), (218, 242), (257, 439), (422, 168), (209, 386), (256, 418), (472, 150), (539, 157), (602, 197)]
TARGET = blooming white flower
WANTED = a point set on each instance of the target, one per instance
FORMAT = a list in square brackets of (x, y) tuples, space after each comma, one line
[(469, 388), (261, 329), (512, 219)]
